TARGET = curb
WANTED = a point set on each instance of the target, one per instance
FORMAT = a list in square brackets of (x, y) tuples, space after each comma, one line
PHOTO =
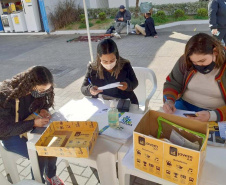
[(26, 33), (67, 32), (70, 32), (182, 23)]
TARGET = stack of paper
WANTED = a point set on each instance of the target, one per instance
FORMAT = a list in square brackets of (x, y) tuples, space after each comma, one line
[(82, 110), (128, 122)]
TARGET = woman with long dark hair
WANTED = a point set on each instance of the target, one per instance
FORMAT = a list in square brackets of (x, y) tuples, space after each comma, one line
[(110, 67), (28, 92), (198, 80)]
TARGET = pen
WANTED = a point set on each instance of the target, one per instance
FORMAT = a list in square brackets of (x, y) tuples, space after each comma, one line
[(167, 101), (89, 81), (37, 115)]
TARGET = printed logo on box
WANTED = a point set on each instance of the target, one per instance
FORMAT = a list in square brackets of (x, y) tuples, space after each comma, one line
[(141, 140), (173, 151)]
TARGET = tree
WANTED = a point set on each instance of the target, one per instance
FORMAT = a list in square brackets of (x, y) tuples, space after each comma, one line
[(137, 8)]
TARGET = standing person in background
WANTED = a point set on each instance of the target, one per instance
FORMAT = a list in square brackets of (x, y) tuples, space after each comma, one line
[(217, 18), (148, 28), (28, 92), (197, 82), (121, 19)]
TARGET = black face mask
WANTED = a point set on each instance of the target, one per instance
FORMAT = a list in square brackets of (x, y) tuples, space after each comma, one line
[(205, 69), (37, 94)]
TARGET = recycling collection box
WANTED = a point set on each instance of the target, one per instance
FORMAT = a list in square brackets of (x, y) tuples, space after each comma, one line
[(68, 139), (164, 159)]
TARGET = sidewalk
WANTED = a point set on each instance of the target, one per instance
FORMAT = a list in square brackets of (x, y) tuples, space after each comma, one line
[(69, 61)]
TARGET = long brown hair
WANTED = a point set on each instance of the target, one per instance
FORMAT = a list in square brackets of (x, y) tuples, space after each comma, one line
[(23, 83), (108, 46), (202, 43)]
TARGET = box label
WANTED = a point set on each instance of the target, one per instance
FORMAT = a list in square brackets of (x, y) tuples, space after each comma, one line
[(180, 165), (16, 20), (148, 155)]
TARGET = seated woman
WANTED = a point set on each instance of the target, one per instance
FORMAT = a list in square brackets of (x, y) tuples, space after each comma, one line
[(198, 80), (108, 68), (28, 92)]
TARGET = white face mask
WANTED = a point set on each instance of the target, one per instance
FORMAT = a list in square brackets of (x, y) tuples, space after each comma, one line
[(109, 66)]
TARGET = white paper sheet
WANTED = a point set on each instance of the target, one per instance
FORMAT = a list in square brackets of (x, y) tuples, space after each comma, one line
[(128, 121), (110, 86), (82, 110), (222, 129)]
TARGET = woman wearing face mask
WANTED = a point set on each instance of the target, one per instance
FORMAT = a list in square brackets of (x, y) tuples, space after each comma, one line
[(108, 68), (28, 92), (198, 80)]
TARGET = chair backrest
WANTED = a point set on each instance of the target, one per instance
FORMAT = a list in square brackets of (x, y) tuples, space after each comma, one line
[(143, 75)]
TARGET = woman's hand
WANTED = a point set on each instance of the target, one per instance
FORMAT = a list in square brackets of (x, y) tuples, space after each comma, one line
[(40, 122), (45, 114), (201, 116), (169, 107), (94, 90), (214, 31), (124, 86)]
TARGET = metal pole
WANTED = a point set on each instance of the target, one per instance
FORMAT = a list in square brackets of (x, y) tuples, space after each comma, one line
[(88, 33), (127, 4)]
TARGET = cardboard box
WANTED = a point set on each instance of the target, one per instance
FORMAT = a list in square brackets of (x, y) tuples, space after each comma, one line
[(68, 139), (165, 160)]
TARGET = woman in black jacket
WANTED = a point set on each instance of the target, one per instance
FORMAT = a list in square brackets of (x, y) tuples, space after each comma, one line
[(217, 18), (108, 68), (28, 92)]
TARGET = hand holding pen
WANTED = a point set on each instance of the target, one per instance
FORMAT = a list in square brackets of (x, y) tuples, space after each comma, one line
[(168, 106), (94, 89), (40, 121)]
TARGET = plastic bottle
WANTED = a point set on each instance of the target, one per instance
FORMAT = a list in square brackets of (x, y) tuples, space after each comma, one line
[(113, 119)]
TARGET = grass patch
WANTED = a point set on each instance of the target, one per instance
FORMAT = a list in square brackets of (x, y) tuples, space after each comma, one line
[(83, 25), (201, 17)]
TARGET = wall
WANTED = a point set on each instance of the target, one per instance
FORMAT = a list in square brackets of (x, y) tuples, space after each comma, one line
[(132, 3), (116, 3)]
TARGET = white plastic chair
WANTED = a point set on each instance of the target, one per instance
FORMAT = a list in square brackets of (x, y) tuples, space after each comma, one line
[(143, 75), (128, 26), (23, 182), (9, 160)]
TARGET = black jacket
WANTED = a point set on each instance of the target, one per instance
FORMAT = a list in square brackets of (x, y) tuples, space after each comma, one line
[(126, 16), (126, 75), (8, 127), (150, 27), (217, 14)]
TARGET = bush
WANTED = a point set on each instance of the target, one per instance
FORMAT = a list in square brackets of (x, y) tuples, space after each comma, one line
[(82, 16), (202, 12), (179, 13), (161, 14), (102, 16), (98, 22), (64, 14)]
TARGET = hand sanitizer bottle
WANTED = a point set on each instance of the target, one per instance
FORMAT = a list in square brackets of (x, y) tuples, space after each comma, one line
[(113, 119)]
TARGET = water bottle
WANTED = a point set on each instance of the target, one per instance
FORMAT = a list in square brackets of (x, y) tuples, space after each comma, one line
[(113, 119)]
